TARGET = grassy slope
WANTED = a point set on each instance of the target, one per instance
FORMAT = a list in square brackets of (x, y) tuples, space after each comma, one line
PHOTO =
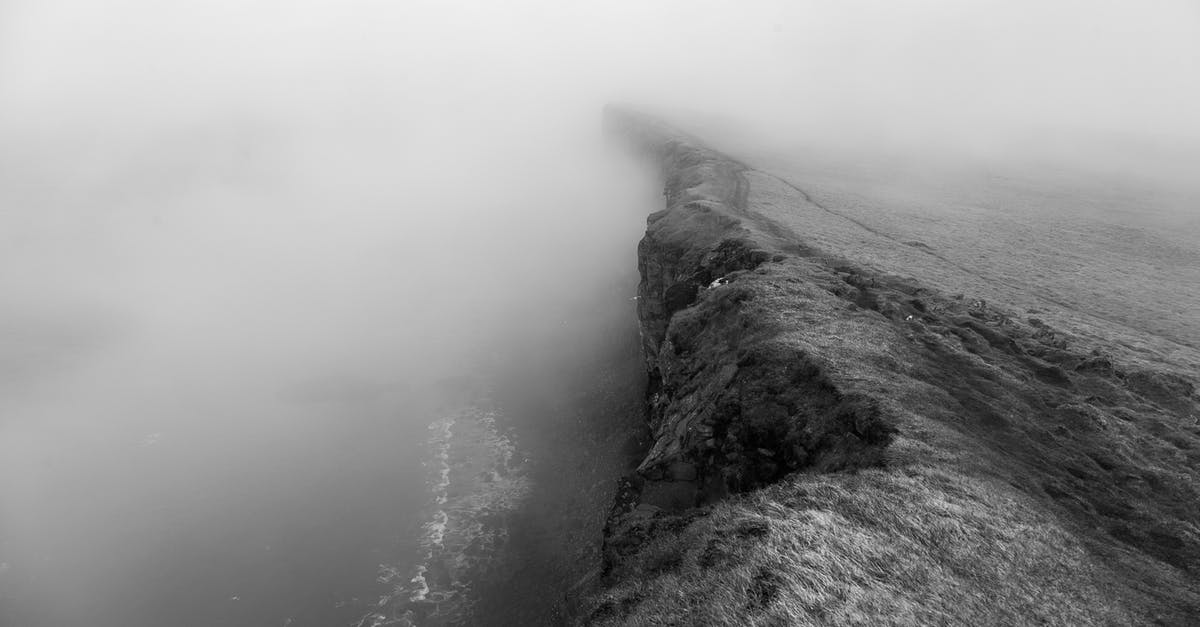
[(1043, 469), (1113, 258)]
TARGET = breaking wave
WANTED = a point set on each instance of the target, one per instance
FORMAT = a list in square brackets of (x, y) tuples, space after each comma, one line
[(475, 479)]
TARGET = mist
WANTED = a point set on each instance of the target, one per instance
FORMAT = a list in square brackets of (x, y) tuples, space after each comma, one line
[(240, 242)]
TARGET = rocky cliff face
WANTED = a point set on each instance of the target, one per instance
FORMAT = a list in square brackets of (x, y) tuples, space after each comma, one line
[(733, 406), (833, 444)]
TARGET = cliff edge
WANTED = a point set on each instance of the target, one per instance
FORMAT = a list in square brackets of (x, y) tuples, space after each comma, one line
[(833, 444)]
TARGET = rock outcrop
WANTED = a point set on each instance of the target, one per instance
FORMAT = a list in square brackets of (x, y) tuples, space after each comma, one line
[(732, 405), (789, 387)]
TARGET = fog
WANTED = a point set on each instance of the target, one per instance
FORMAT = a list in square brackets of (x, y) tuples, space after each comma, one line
[(240, 240)]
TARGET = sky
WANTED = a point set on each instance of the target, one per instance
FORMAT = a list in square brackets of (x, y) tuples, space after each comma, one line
[(103, 102), (922, 66)]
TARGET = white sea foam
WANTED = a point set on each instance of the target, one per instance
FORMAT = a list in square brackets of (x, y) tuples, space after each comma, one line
[(472, 478)]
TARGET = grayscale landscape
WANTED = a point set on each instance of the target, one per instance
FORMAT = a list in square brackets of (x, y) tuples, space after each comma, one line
[(419, 313)]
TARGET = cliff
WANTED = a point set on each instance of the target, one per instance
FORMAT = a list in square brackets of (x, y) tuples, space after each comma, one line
[(834, 444)]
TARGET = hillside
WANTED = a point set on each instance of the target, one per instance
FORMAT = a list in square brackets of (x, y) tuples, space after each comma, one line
[(854, 426)]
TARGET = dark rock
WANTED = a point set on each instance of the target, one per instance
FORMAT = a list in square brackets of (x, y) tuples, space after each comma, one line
[(683, 471)]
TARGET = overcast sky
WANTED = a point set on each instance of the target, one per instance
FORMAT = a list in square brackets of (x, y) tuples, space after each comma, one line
[(302, 138), (901, 67), (314, 142)]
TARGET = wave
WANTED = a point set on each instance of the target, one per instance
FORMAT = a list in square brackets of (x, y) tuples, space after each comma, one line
[(476, 479)]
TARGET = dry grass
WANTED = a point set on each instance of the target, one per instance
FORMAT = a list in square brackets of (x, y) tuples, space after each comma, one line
[(874, 548), (1114, 260), (1046, 463)]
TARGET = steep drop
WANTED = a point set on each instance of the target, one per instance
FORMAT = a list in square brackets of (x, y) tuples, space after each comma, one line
[(833, 443)]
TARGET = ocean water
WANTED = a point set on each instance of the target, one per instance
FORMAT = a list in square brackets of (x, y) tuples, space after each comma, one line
[(356, 518), (269, 400), (276, 514), (476, 479)]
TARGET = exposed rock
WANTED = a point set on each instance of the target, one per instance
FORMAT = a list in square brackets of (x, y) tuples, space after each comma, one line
[(784, 378), (733, 406)]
